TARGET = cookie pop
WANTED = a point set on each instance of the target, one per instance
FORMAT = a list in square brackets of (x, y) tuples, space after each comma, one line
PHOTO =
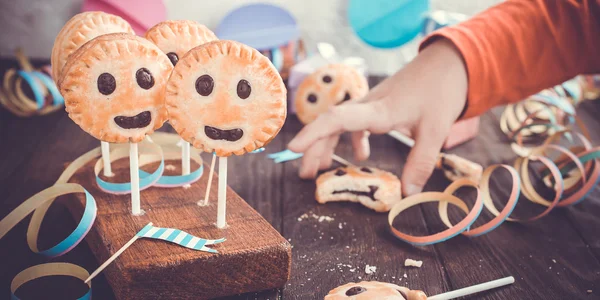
[(228, 98), (175, 39), (114, 89), (77, 31)]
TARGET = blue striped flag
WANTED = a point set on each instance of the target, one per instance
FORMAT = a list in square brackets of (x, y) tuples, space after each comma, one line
[(178, 237)]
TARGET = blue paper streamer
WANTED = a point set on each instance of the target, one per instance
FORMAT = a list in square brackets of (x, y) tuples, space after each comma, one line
[(57, 98), (85, 224), (37, 92), (176, 180), (146, 180)]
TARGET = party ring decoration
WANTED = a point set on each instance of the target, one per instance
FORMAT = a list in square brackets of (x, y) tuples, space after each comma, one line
[(50, 269)]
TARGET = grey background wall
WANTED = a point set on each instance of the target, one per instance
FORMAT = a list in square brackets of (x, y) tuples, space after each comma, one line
[(33, 24)]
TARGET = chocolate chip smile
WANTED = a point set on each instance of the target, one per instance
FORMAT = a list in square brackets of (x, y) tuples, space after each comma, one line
[(230, 135), (141, 120), (371, 193)]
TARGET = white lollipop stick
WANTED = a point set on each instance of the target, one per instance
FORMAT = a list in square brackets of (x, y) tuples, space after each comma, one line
[(135, 179), (185, 158), (209, 184), (221, 206), (341, 160), (474, 289), (113, 257), (107, 170), (402, 138)]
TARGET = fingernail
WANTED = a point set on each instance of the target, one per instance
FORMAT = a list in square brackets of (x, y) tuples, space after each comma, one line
[(412, 189)]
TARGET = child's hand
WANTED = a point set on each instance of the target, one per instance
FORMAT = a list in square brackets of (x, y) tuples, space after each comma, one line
[(423, 100)]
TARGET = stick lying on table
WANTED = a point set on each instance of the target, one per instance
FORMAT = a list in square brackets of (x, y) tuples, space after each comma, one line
[(454, 167), (474, 289)]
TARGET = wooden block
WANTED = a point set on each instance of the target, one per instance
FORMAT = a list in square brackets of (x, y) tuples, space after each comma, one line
[(255, 256)]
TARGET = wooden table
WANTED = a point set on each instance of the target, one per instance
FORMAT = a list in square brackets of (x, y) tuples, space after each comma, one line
[(557, 257)]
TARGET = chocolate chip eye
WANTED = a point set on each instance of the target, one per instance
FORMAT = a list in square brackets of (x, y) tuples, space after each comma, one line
[(366, 170), (327, 79), (312, 98), (355, 290), (144, 78), (340, 172), (106, 84), (173, 57), (243, 89), (205, 85)]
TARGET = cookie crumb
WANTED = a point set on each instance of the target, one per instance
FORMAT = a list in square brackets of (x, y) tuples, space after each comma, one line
[(370, 269), (405, 275), (413, 263), (170, 168), (589, 291), (554, 260)]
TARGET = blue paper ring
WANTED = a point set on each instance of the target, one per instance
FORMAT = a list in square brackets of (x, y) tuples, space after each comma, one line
[(84, 226), (178, 180), (146, 180), (37, 92), (57, 98)]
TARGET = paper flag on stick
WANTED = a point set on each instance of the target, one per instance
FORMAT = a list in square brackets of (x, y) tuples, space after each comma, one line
[(179, 237), (289, 155), (283, 156), (176, 236)]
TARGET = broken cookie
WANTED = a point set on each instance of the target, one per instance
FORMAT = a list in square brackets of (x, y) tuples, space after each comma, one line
[(376, 189)]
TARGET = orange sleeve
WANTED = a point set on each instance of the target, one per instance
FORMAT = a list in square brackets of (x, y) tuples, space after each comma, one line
[(520, 47)]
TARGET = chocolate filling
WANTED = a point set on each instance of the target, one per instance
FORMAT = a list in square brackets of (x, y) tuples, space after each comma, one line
[(346, 97), (366, 170), (230, 135), (447, 167), (371, 193), (355, 290), (173, 57), (141, 120)]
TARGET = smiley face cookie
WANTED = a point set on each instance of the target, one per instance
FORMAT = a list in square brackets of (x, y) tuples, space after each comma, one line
[(176, 38), (368, 290), (226, 97), (328, 86), (376, 189), (81, 29), (114, 87)]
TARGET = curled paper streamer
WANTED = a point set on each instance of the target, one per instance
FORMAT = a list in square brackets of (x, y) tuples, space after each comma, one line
[(572, 175), (50, 269), (16, 100), (42, 201), (178, 237)]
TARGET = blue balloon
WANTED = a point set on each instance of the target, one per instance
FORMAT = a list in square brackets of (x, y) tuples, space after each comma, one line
[(387, 23)]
